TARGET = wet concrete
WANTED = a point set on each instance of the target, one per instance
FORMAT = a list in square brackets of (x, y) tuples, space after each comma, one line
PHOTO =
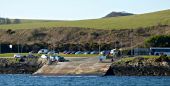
[(76, 66)]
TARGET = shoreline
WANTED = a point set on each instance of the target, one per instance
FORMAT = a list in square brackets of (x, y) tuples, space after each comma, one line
[(16, 66), (89, 66), (141, 66)]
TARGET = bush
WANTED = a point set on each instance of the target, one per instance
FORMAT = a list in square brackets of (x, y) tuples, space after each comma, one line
[(163, 58), (158, 41), (9, 31)]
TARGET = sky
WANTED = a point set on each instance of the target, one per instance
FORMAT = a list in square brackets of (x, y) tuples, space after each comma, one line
[(76, 9)]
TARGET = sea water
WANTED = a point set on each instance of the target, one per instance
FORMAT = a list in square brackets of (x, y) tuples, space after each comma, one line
[(29, 80)]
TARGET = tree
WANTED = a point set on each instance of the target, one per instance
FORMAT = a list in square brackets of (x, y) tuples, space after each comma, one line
[(5, 21), (17, 21), (2, 20), (158, 41), (8, 21)]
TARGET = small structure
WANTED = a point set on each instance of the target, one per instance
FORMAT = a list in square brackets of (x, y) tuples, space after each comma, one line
[(115, 52), (160, 51), (141, 51)]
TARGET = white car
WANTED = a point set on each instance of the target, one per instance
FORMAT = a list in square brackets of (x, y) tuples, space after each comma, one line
[(44, 56), (52, 58), (18, 56), (114, 52), (43, 51), (51, 52)]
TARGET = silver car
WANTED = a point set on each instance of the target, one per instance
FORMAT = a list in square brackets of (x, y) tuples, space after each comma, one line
[(43, 51)]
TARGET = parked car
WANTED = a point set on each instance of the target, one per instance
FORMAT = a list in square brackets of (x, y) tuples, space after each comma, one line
[(18, 56), (60, 58), (43, 51), (78, 52), (33, 51), (57, 58), (86, 52), (53, 59), (64, 52), (52, 52), (105, 52), (31, 56), (44, 56), (94, 52), (68, 52), (73, 52)]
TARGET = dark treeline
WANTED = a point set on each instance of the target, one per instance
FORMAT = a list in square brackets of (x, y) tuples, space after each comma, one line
[(4, 48), (9, 21)]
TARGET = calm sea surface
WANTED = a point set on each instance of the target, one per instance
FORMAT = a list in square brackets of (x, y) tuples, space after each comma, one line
[(29, 80)]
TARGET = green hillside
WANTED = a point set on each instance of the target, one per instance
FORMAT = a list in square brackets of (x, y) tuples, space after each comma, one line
[(126, 22)]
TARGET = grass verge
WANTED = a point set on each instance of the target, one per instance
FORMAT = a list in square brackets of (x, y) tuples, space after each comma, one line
[(10, 55)]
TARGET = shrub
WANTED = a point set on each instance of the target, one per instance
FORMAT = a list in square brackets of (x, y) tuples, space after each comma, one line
[(158, 41)]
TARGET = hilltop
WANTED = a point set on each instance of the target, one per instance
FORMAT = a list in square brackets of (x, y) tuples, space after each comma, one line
[(118, 14), (112, 23), (84, 34)]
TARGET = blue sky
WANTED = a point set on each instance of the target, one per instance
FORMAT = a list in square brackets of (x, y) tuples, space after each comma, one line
[(76, 9)]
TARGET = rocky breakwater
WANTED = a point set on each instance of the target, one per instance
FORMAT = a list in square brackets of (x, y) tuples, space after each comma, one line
[(141, 66), (19, 66)]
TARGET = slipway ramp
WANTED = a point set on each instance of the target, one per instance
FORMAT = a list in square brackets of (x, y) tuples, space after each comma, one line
[(76, 66)]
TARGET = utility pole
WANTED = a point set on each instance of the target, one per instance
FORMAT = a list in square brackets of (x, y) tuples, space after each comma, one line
[(121, 47), (10, 46), (19, 38), (0, 48), (138, 44), (79, 45), (131, 41), (99, 46), (18, 46), (18, 42)]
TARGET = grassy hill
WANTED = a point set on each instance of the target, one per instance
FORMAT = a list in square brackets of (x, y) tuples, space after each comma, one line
[(125, 22)]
